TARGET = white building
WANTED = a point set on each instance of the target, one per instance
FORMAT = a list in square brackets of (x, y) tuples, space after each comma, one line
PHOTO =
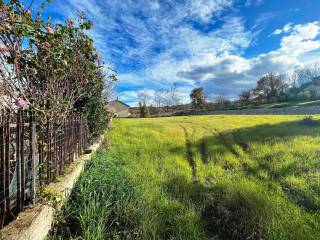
[(120, 109)]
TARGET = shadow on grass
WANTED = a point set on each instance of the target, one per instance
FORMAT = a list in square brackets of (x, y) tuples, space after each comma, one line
[(228, 210), (242, 138), (276, 163), (243, 208)]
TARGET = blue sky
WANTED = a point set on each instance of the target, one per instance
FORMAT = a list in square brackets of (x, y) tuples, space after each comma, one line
[(221, 45)]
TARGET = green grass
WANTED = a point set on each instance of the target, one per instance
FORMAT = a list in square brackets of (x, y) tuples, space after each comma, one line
[(203, 177)]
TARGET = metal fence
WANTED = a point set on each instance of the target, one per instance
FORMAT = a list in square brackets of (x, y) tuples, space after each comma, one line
[(33, 156)]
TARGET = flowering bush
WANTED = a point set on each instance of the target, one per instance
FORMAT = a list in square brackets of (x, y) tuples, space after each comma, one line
[(50, 68)]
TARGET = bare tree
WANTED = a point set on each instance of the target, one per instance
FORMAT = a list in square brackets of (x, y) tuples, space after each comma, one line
[(110, 77), (270, 86), (221, 101), (144, 97), (306, 75), (245, 97), (159, 97), (174, 94), (292, 79)]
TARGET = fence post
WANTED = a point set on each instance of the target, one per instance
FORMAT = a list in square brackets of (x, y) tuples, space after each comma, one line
[(7, 162), (48, 152), (33, 143), (23, 166), (63, 149), (3, 170), (41, 161), (18, 160), (53, 149)]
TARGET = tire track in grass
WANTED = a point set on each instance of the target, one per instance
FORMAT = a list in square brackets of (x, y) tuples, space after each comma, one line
[(190, 158), (203, 148), (222, 139), (242, 154), (226, 142), (296, 196)]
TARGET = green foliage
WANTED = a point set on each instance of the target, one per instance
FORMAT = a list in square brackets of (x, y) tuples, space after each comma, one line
[(304, 96), (56, 69), (144, 110), (245, 97), (96, 113), (207, 177), (198, 99), (270, 87)]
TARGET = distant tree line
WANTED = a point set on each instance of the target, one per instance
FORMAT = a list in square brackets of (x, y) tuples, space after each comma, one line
[(162, 101), (300, 85)]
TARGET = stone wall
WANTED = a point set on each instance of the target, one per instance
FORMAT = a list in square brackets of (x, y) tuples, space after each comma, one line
[(310, 110)]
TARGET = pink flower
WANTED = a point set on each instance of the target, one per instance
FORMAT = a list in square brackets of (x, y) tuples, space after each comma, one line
[(65, 62), (69, 23), (47, 45), (28, 12), (50, 30), (4, 48), (21, 103)]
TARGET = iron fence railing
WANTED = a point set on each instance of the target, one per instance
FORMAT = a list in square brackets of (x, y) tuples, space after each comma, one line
[(33, 156)]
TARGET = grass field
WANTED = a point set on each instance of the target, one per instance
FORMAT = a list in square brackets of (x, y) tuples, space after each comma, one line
[(204, 177)]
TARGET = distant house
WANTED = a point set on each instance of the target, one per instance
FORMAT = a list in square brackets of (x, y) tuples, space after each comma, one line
[(119, 109)]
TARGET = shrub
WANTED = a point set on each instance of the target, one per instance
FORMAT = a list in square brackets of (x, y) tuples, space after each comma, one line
[(314, 93), (292, 97), (303, 96), (282, 98), (273, 99), (96, 113), (51, 68), (309, 121), (144, 110)]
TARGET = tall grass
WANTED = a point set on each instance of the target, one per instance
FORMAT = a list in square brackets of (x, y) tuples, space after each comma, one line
[(206, 177)]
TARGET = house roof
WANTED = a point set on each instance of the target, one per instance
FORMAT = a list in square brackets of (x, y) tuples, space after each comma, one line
[(117, 106), (118, 101)]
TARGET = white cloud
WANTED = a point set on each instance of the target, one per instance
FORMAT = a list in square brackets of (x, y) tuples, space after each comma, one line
[(277, 31), (249, 3), (153, 44), (302, 38), (206, 9), (294, 9), (128, 32), (229, 74), (287, 27)]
